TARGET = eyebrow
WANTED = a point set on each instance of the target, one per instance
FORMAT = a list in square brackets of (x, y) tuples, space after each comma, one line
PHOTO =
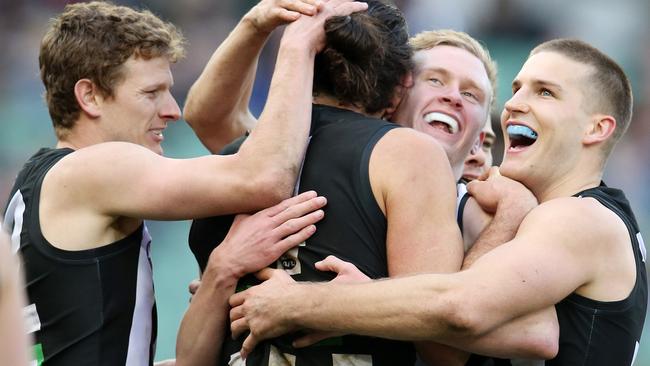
[(538, 82)]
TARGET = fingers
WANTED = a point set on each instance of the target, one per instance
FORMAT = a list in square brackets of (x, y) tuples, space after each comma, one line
[(266, 274), (331, 264), (295, 239), (301, 6), (238, 327), (274, 210), (293, 226), (249, 344), (300, 208), (347, 8)]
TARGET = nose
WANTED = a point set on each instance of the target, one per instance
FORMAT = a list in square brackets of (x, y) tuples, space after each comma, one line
[(516, 104), (452, 97), (170, 110)]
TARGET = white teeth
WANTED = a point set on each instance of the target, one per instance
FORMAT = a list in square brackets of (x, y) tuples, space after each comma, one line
[(451, 122)]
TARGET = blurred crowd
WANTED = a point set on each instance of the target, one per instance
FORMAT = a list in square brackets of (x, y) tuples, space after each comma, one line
[(508, 27)]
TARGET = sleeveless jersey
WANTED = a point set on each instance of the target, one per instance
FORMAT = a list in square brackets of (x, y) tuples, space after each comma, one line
[(594, 332), (354, 229), (87, 307)]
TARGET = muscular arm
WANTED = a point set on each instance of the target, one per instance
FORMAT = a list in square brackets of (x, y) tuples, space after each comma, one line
[(103, 183), (533, 335), (409, 194), (217, 104), (551, 257)]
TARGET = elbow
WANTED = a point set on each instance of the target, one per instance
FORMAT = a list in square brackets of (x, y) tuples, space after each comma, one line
[(463, 320), (269, 187), (545, 349), (544, 343)]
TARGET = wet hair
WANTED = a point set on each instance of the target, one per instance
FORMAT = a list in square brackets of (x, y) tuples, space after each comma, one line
[(92, 41), (366, 57), (447, 37), (607, 83)]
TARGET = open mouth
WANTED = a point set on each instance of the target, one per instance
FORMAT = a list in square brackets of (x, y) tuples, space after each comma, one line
[(521, 136), (442, 121)]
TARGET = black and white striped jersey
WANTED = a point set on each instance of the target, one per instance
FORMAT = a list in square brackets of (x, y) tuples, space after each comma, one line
[(88, 307), (354, 229)]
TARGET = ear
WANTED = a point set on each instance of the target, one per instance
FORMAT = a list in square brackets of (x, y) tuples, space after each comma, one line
[(398, 95), (600, 129), (88, 97)]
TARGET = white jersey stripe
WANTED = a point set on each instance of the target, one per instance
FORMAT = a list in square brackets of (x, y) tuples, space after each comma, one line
[(141, 326), (14, 217)]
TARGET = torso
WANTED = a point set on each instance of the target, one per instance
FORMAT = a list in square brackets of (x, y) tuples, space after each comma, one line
[(90, 307), (354, 229)]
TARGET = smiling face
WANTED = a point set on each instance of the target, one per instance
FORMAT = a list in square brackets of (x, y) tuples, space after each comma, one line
[(449, 100), (545, 120), (142, 104)]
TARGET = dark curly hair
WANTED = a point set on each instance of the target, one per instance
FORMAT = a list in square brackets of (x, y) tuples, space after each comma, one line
[(366, 56)]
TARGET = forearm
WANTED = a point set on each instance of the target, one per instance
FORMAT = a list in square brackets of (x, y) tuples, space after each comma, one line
[(203, 327), (501, 229), (217, 104), (276, 146), (395, 309), (532, 336)]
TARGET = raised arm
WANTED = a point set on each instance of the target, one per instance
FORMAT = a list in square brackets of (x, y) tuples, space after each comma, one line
[(126, 180), (217, 106)]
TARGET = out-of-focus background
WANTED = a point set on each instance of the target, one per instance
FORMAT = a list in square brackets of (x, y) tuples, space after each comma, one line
[(510, 28)]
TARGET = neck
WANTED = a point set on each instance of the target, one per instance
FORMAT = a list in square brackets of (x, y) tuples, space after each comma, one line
[(567, 186), (82, 134), (334, 102)]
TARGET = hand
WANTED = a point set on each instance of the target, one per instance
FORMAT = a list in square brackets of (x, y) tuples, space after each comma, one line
[(493, 190), (256, 241), (346, 272), (496, 193), (270, 14), (260, 309), (310, 31)]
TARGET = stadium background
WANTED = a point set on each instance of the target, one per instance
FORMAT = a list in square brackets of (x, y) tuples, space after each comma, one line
[(509, 28)]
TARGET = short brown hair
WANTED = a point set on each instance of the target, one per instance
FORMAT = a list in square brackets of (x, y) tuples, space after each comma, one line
[(447, 37), (608, 82), (366, 56), (93, 40)]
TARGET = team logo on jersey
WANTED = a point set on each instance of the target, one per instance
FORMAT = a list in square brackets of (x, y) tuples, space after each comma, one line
[(289, 260)]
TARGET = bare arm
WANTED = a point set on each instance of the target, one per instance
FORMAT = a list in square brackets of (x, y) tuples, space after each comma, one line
[(551, 257), (217, 104), (119, 180), (408, 195), (251, 244)]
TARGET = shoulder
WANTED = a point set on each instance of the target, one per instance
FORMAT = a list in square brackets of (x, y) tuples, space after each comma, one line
[(576, 220), (409, 143)]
